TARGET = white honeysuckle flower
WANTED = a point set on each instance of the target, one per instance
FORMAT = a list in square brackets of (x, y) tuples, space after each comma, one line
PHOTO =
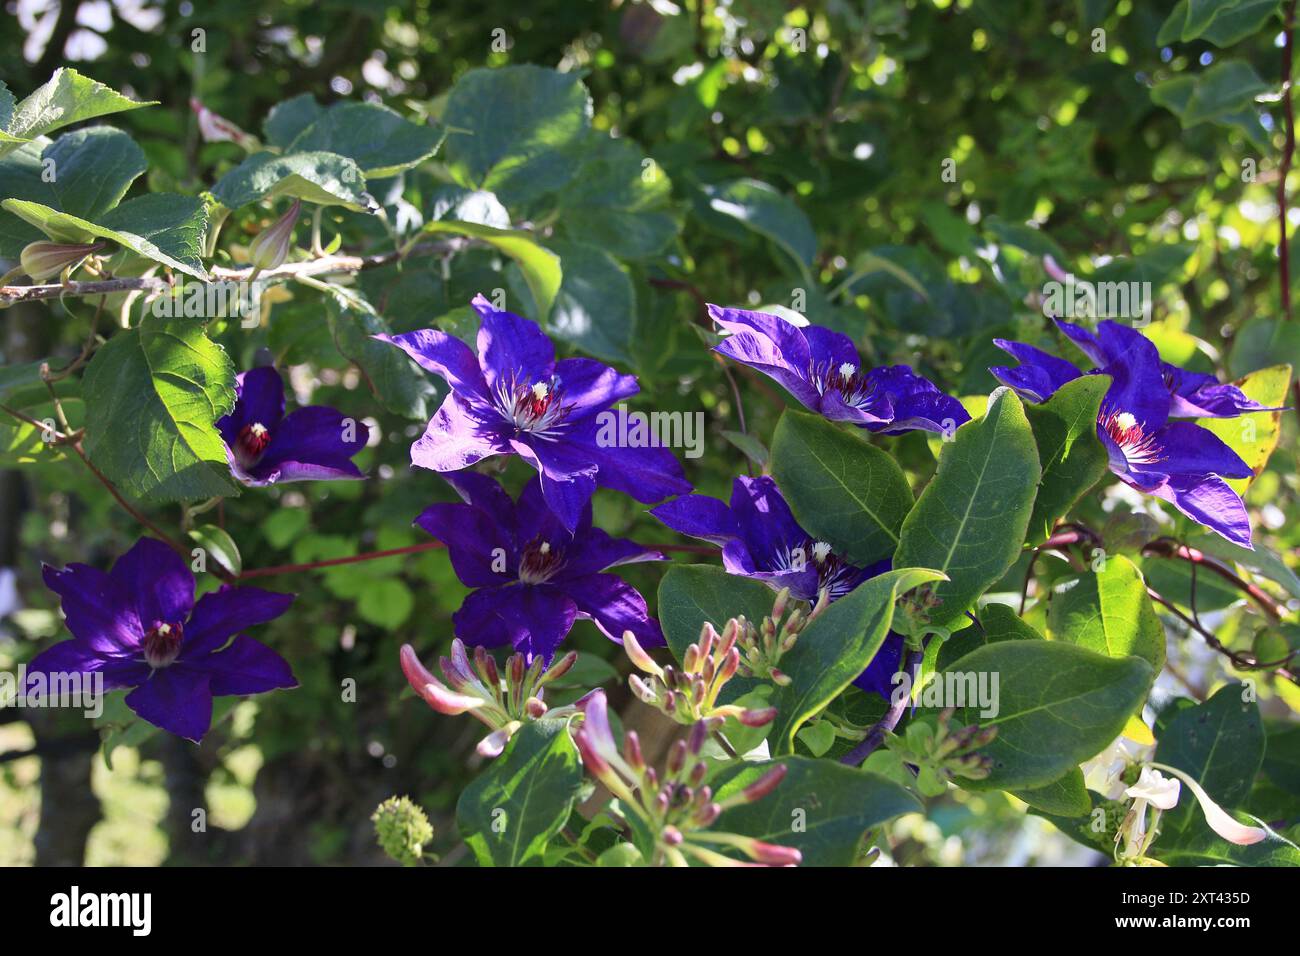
[(1102, 774), (1220, 821), (1155, 788)]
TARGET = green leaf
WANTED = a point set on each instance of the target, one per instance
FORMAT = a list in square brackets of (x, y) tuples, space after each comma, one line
[(401, 386), (1058, 705), (1222, 22), (386, 603), (160, 226), (1220, 744), (1255, 435), (66, 98), (620, 201), (540, 267), (327, 179), (153, 396), (835, 648), (822, 808), (754, 449), (379, 140), (971, 519), (1220, 92), (997, 622), (762, 209), (219, 547), (1264, 342), (1108, 611), (523, 798), (518, 131), (595, 308), (92, 170), (1072, 456), (692, 594), (841, 489), (289, 118), (1065, 796)]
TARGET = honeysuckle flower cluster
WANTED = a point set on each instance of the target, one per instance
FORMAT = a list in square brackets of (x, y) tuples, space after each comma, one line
[(503, 701), (941, 752), (1125, 770), (513, 397), (1176, 461), (533, 577), (139, 626), (677, 807), (690, 693), (264, 446), (821, 369)]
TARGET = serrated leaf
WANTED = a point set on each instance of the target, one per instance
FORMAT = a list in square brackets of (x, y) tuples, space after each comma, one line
[(1072, 456), (326, 179), (841, 489), (835, 648), (1108, 611), (66, 98), (92, 170), (821, 808), (523, 797), (971, 519), (153, 396), (517, 131), (1058, 705), (164, 227), (379, 140)]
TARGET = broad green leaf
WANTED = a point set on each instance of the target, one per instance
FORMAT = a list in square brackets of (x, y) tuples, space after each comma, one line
[(1253, 436), (289, 118), (971, 519), (762, 209), (1057, 706), (620, 201), (540, 267), (1065, 796), (1072, 456), (595, 308), (821, 808), (997, 622), (327, 179), (523, 797), (1108, 611), (379, 140), (89, 171), (518, 131), (1203, 847), (1219, 92), (1262, 343), (66, 98), (163, 227), (401, 386), (841, 489), (1220, 744), (219, 546), (692, 594), (1222, 22), (153, 397), (837, 647)]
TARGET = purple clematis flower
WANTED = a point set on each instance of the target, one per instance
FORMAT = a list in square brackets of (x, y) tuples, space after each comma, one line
[(265, 446), (822, 370), (513, 396), (532, 576), (140, 627), (761, 539), (1177, 461)]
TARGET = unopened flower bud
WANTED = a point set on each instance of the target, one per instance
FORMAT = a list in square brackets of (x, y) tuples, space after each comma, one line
[(44, 260), (270, 247), (637, 654)]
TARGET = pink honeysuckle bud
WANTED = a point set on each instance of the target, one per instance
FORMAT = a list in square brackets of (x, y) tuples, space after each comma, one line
[(45, 260), (1220, 821), (495, 742), (270, 248), (431, 690)]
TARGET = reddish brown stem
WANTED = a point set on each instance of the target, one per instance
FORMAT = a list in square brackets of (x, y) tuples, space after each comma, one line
[(1168, 548)]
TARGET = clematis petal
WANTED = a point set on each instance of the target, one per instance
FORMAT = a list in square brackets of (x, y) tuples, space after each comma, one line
[(482, 552), (511, 347), (597, 551), (77, 657), (771, 345), (314, 442), (447, 357), (828, 348), (177, 699), (1189, 449), (1211, 502), (259, 398), (457, 437), (568, 477), (646, 474), (99, 612), (878, 678), (1086, 341), (614, 606), (699, 516), (534, 619), (1039, 374), (246, 667), (1196, 395), (588, 386), (767, 526), (157, 579), (221, 614), (917, 402)]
